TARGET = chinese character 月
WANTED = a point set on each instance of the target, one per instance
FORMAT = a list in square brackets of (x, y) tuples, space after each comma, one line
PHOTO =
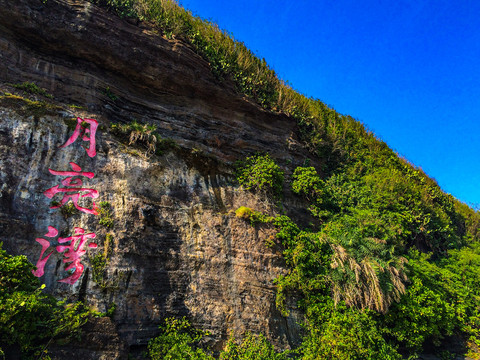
[(86, 128)]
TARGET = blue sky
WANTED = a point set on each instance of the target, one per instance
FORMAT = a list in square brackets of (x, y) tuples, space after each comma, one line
[(409, 70)]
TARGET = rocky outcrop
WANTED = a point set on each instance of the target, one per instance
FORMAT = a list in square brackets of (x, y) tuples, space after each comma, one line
[(175, 246), (76, 50)]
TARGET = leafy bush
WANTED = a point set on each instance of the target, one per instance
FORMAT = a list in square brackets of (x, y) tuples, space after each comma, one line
[(252, 347), (341, 333), (421, 314), (244, 212), (178, 340), (252, 216), (307, 182), (68, 210), (260, 173), (99, 263), (29, 318)]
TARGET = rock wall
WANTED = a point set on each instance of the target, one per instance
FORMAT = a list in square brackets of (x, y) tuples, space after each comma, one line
[(175, 247)]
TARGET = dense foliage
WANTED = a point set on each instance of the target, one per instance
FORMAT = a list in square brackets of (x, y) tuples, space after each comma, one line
[(29, 319), (180, 340), (260, 173), (252, 347), (391, 267)]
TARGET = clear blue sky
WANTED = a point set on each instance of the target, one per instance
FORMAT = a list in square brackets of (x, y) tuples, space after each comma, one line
[(408, 69)]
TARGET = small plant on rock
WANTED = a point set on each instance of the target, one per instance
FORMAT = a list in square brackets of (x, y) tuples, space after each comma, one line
[(68, 210), (32, 88), (105, 211)]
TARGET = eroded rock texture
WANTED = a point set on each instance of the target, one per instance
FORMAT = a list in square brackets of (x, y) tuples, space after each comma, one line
[(176, 247)]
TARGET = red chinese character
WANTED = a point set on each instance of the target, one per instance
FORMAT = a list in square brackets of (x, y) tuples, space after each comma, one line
[(52, 232), (88, 134), (71, 252), (72, 255), (73, 189)]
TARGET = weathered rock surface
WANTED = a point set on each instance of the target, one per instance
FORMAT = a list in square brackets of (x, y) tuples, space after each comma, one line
[(176, 247), (76, 50)]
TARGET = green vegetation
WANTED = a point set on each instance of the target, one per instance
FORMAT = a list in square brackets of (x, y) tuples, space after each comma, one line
[(75, 107), (260, 173), (180, 340), (366, 289), (109, 313), (108, 92), (252, 216), (71, 123), (144, 136), (27, 107), (68, 210), (32, 88), (251, 347), (106, 214), (442, 300), (99, 264), (343, 333), (30, 319)]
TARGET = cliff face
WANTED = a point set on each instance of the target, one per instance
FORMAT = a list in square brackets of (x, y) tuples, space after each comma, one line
[(173, 246)]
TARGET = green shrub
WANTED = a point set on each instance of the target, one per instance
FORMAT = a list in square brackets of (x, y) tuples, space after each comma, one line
[(178, 340), (260, 173), (252, 347), (252, 216), (143, 135), (30, 318), (421, 314), (340, 333), (307, 182), (442, 300), (108, 92), (99, 264), (244, 213)]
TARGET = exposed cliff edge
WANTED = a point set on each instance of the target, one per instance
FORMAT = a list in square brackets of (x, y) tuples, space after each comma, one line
[(176, 248)]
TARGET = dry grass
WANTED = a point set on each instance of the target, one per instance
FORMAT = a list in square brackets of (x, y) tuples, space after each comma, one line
[(364, 288)]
